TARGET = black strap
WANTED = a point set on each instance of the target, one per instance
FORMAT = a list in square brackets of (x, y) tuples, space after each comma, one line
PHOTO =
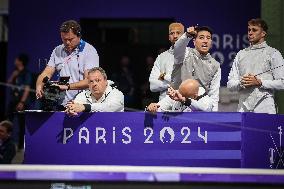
[(87, 107), (187, 102), (201, 96)]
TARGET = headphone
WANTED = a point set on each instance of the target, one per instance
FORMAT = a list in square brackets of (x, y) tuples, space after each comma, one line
[(78, 33)]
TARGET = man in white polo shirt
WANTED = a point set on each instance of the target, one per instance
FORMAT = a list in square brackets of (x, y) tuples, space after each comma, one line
[(74, 58)]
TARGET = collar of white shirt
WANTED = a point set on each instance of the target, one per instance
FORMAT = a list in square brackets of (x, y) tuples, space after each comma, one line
[(92, 99)]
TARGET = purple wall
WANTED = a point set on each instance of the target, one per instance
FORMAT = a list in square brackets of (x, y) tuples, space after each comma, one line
[(33, 24)]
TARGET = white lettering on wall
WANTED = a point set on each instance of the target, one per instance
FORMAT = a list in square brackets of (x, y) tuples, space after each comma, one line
[(67, 136), (85, 137), (100, 136)]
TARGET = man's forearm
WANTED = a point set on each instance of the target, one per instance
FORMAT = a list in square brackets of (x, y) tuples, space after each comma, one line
[(83, 84), (180, 49), (39, 81)]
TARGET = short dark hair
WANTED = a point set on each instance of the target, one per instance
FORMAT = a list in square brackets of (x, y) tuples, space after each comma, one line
[(204, 28), (259, 22), (8, 125), (103, 72), (71, 25), (24, 58)]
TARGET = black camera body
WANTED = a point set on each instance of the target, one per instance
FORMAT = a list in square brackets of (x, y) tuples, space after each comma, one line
[(52, 93)]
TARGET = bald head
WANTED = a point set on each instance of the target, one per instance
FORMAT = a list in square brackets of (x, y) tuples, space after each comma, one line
[(189, 88)]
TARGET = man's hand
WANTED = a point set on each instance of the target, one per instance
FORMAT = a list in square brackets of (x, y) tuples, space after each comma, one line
[(250, 80), (191, 32), (153, 107), (73, 108), (61, 87), (162, 76), (39, 91), (171, 91), (175, 95)]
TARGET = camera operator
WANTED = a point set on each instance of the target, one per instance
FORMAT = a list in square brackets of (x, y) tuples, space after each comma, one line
[(71, 59)]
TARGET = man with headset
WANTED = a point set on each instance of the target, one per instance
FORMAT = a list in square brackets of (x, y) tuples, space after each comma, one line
[(100, 97), (73, 59)]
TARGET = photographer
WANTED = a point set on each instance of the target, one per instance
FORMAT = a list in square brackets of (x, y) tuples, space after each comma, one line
[(73, 58)]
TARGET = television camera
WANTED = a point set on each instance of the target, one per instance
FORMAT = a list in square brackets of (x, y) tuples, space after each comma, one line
[(52, 93)]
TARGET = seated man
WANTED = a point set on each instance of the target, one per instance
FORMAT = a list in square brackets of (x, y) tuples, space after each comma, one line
[(189, 97), (100, 97), (7, 146)]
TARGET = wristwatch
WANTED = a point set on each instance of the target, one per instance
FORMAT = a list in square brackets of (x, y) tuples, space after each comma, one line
[(187, 102)]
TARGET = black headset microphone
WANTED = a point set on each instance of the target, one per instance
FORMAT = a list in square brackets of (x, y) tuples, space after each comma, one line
[(78, 33)]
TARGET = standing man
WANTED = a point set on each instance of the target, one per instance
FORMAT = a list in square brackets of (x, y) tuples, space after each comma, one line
[(160, 76), (20, 98), (197, 63), (73, 58), (257, 72)]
